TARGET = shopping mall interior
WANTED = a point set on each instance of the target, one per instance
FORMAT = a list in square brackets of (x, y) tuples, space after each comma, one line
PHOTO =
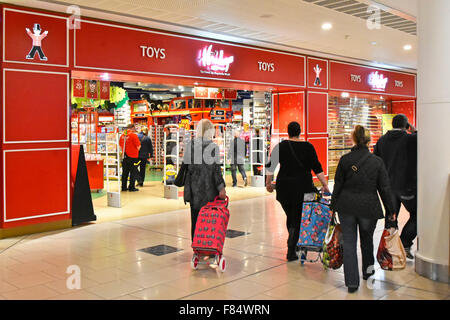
[(101, 71)]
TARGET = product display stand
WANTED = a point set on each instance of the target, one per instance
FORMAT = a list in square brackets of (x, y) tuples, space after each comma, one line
[(258, 180), (220, 140), (113, 197), (171, 190)]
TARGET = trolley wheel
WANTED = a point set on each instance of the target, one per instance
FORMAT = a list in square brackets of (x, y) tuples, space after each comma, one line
[(194, 262), (222, 264), (302, 257)]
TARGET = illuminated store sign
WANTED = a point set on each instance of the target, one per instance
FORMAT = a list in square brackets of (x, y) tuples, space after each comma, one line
[(214, 61), (377, 81)]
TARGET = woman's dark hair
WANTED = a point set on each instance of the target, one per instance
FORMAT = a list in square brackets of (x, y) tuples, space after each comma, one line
[(361, 136), (294, 129), (400, 121)]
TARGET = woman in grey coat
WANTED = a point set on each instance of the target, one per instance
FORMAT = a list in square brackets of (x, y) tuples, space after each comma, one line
[(204, 180), (360, 176)]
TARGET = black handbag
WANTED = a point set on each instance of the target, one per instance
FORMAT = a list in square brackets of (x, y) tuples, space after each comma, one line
[(181, 176)]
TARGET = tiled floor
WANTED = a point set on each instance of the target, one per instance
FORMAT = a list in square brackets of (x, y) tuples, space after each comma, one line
[(112, 267)]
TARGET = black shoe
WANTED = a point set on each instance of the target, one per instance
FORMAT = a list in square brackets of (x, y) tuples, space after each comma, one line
[(124, 189), (291, 255), (140, 184), (133, 190), (352, 289), (408, 253), (367, 276), (234, 185), (245, 182)]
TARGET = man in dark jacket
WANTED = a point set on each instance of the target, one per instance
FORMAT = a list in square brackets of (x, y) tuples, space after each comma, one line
[(398, 149), (237, 158), (145, 153)]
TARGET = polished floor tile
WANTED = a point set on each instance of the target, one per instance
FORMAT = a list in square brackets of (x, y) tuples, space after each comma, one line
[(112, 267)]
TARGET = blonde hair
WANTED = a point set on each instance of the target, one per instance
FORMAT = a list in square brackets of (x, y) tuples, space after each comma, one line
[(361, 136), (145, 130), (205, 129)]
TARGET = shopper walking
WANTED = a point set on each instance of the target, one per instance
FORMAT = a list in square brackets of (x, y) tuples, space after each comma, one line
[(237, 158), (296, 158), (359, 176), (398, 149), (145, 152), (204, 180), (130, 144)]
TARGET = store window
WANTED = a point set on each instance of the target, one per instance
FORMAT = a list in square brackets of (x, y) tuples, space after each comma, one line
[(343, 115)]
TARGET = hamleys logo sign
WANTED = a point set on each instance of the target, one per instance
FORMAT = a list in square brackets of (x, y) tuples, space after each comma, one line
[(214, 61), (377, 81)]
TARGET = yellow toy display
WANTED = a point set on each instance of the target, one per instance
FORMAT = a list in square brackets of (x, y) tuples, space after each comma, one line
[(171, 174)]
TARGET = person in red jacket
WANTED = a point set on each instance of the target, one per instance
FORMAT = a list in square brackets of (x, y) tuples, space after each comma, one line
[(130, 141)]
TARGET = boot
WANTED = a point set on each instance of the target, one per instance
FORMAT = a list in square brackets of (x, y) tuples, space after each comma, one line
[(292, 245), (408, 253)]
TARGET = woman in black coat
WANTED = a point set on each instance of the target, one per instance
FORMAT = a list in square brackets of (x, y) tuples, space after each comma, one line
[(296, 158), (359, 176)]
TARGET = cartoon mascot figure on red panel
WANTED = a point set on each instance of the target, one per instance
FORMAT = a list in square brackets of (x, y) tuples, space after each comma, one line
[(37, 37), (317, 70)]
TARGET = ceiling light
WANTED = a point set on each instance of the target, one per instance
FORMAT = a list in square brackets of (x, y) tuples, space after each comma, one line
[(345, 95), (373, 43), (327, 26), (407, 47)]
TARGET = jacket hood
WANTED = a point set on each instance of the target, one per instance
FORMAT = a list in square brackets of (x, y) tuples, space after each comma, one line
[(395, 134)]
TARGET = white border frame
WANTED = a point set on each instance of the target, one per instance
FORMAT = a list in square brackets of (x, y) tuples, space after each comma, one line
[(38, 14), (374, 92), (43, 215), (191, 38), (67, 110), (328, 72), (307, 117), (326, 138)]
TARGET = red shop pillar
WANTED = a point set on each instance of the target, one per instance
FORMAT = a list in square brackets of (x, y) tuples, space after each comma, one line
[(317, 125), (35, 144)]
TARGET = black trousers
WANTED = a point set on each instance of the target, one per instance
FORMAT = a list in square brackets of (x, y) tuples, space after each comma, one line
[(129, 168), (350, 225), (194, 216), (409, 231), (292, 207), (39, 51), (241, 170), (142, 167)]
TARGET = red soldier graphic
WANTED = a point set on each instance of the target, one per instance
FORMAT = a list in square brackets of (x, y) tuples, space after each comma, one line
[(37, 42), (317, 70)]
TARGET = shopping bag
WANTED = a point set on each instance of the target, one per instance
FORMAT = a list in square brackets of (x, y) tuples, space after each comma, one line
[(333, 249), (316, 216), (391, 254)]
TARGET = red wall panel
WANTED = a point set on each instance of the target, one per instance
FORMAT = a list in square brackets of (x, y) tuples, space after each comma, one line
[(321, 146), (19, 43), (291, 108), (317, 113), (47, 184), (36, 106), (408, 108)]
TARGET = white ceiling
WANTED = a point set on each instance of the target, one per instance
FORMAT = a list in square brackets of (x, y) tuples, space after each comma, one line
[(292, 25)]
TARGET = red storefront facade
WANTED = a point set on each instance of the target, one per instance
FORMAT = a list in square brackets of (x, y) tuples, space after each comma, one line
[(36, 95)]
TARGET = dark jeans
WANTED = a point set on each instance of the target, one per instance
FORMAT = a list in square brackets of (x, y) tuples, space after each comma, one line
[(409, 231), (293, 208), (142, 167), (349, 225), (241, 170), (39, 51), (194, 215), (129, 168)]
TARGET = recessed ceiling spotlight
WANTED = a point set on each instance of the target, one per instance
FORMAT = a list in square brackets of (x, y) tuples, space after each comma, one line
[(374, 43), (327, 26), (407, 47)]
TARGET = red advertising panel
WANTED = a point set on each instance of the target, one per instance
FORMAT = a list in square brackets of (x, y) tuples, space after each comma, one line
[(230, 94), (92, 89), (356, 78), (47, 191), (408, 108), (104, 90), (317, 113), (291, 108), (78, 86), (36, 106), (321, 146), (317, 73), (160, 53), (35, 38)]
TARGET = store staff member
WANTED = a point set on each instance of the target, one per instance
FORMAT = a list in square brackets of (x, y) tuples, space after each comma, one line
[(130, 161)]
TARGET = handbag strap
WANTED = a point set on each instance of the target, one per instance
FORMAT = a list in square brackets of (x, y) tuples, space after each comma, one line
[(295, 156), (361, 161)]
